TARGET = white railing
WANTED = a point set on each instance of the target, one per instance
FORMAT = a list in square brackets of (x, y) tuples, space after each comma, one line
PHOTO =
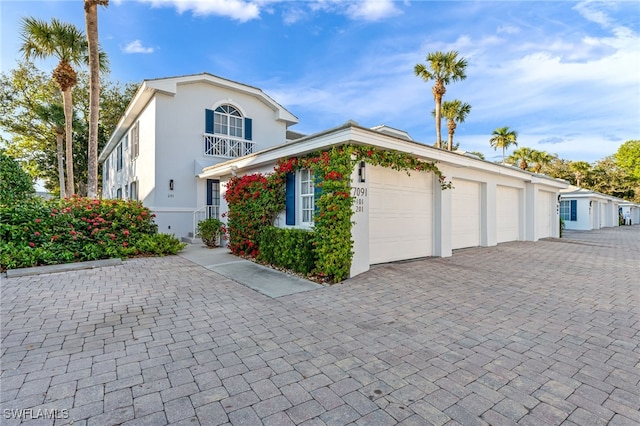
[(220, 146), (204, 212)]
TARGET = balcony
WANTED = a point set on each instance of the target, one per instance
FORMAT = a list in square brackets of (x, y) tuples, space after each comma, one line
[(224, 146)]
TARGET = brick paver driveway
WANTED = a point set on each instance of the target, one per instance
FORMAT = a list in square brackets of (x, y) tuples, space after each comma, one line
[(533, 333)]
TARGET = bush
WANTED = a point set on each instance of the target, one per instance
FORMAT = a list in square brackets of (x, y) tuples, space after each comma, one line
[(288, 248), (210, 230), (15, 183), (38, 232)]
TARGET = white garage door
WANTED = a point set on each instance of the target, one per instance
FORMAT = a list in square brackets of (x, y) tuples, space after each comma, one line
[(465, 203), (546, 210), (400, 215), (507, 214)]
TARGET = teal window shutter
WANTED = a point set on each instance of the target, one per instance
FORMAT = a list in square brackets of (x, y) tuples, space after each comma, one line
[(208, 121), (248, 133), (574, 210), (290, 199), (317, 191)]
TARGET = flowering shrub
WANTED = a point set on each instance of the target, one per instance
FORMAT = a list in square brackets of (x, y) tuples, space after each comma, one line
[(38, 232)]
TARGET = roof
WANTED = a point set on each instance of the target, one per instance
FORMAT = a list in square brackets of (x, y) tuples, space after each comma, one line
[(352, 133), (169, 86)]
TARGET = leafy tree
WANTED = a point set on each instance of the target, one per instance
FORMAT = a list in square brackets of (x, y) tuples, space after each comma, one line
[(521, 157), (444, 68), (503, 137), (66, 43), (91, 22), (477, 154), (628, 158), (15, 183), (607, 177), (455, 112), (560, 169)]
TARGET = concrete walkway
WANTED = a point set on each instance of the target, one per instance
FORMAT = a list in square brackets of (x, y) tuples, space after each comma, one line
[(265, 280), (544, 333)]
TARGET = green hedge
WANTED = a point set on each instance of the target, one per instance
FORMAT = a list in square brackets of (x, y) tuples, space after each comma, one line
[(288, 248), (37, 232)]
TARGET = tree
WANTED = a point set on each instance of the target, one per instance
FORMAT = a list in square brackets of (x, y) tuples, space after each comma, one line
[(15, 183), (445, 68), (91, 22), (628, 158), (67, 44), (539, 159), (53, 114), (455, 112), (521, 157), (580, 170), (503, 137)]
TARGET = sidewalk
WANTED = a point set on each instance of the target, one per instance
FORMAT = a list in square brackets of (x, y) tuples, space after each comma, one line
[(267, 281)]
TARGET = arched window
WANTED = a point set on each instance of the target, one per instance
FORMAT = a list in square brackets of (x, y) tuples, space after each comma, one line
[(228, 121)]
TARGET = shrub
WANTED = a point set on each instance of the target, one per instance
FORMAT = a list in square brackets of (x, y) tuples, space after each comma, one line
[(38, 232), (288, 248), (15, 183), (210, 231)]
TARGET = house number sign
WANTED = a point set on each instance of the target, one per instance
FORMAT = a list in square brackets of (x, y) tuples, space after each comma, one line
[(360, 194)]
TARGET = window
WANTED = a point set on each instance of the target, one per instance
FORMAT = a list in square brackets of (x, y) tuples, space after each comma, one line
[(133, 190), (119, 193), (135, 141), (227, 121), (300, 193), (105, 168), (569, 210), (119, 157), (306, 195), (125, 142)]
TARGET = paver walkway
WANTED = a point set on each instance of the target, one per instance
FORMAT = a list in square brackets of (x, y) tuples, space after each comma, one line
[(531, 333)]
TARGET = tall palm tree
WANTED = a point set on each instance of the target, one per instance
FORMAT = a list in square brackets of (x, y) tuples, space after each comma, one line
[(580, 170), (91, 22), (445, 68), (540, 159), (503, 137), (67, 44), (53, 115), (455, 112), (521, 157)]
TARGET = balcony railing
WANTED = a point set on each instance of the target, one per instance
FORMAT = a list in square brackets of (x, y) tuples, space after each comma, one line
[(224, 146)]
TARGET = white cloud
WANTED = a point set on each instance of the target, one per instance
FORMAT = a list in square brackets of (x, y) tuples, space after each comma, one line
[(137, 47), (238, 10), (508, 29), (372, 10)]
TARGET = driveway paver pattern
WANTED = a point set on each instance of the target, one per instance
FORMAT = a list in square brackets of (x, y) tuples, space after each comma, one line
[(522, 333)]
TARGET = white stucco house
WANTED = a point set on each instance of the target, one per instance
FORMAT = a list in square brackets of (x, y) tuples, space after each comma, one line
[(172, 129), (182, 138), (583, 209)]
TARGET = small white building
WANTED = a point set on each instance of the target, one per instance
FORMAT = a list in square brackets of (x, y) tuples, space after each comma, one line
[(583, 209), (182, 138), (399, 216)]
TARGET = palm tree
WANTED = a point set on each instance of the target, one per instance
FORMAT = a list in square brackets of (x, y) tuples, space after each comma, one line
[(53, 115), (66, 43), (91, 22), (445, 68), (580, 170), (455, 112), (521, 157), (503, 137), (540, 159)]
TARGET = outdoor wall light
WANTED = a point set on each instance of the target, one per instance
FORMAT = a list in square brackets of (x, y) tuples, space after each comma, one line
[(171, 185), (361, 171)]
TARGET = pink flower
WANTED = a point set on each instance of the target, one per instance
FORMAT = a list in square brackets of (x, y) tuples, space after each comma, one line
[(37, 234), (32, 245), (38, 220)]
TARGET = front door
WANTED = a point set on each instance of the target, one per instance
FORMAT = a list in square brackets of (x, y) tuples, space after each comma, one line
[(213, 198)]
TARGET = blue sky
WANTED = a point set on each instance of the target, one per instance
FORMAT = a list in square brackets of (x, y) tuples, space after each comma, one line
[(565, 75)]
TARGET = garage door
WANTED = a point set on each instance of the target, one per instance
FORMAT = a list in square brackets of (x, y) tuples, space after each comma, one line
[(465, 203), (400, 215), (507, 214), (546, 210)]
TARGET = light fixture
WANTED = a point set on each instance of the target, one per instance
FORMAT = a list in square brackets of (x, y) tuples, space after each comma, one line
[(361, 171), (171, 185)]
